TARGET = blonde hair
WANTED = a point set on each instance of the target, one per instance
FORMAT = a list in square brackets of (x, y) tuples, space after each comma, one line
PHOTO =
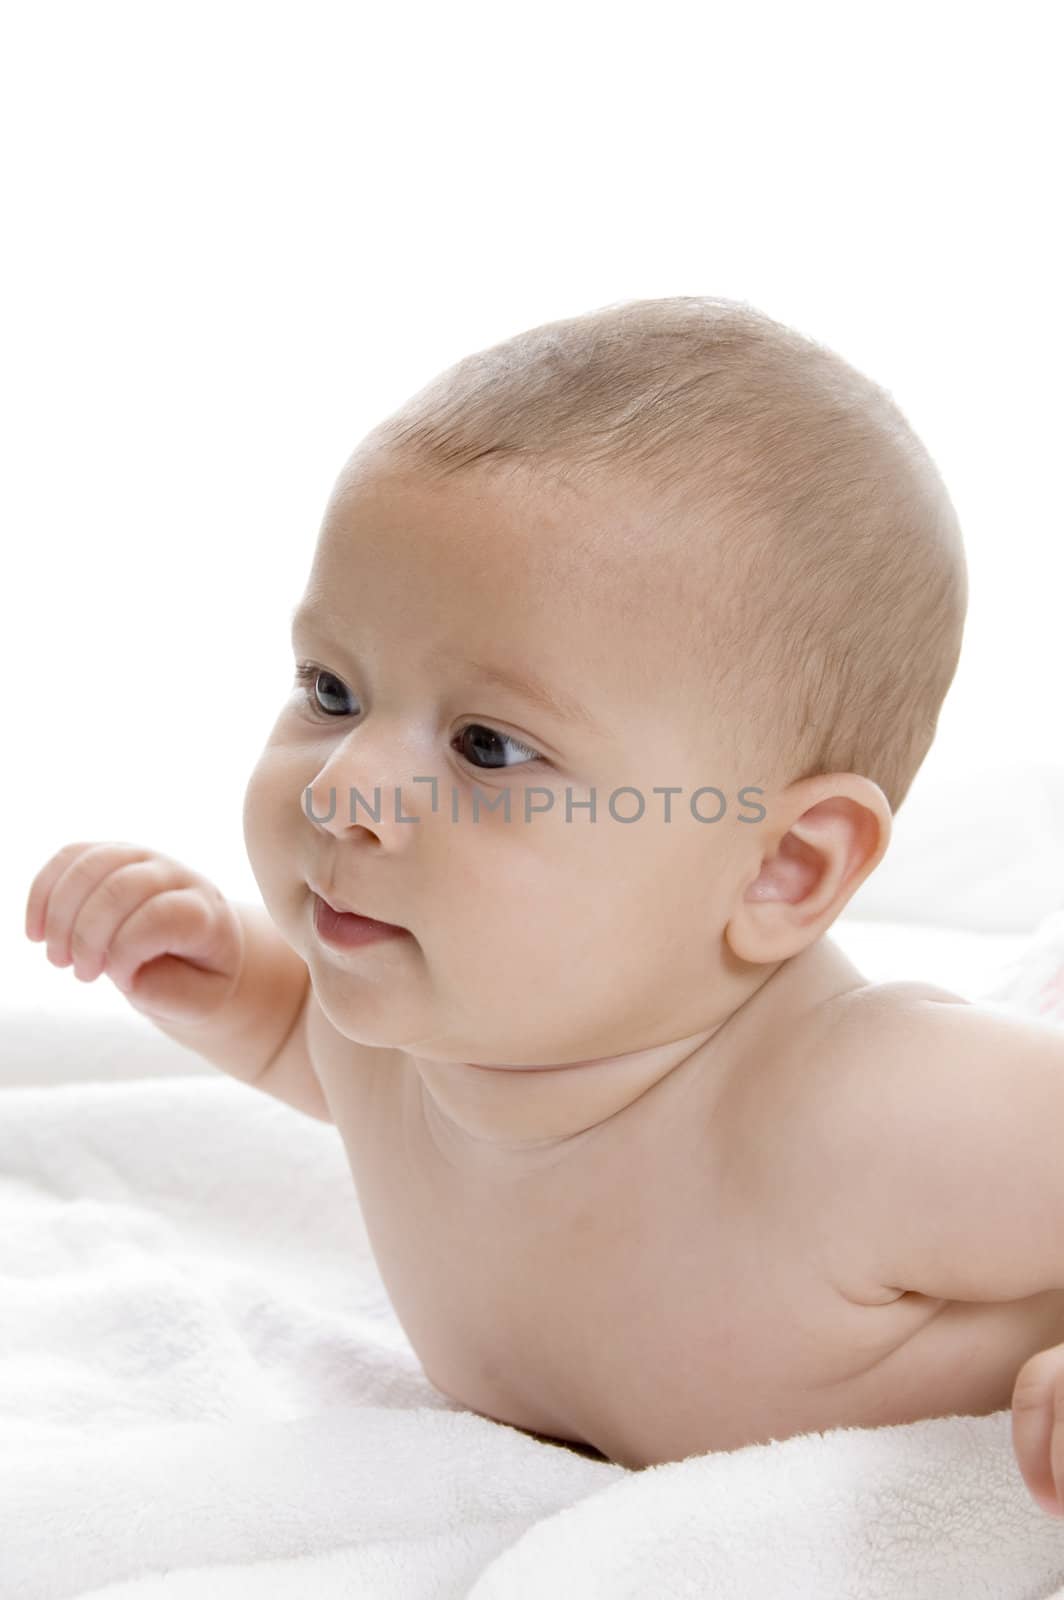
[(832, 620)]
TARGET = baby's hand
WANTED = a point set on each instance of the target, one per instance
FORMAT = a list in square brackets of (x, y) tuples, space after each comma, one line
[(167, 938), (1038, 1427)]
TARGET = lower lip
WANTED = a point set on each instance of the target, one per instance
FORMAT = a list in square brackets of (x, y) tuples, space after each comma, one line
[(347, 931)]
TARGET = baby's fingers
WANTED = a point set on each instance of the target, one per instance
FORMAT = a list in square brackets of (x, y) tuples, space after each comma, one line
[(44, 882), (100, 923), (1038, 1427), (162, 957), (62, 888)]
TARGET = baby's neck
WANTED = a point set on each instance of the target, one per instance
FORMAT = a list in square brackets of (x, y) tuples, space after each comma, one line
[(510, 1121)]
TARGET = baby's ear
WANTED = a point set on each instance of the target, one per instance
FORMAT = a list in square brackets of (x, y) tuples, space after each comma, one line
[(835, 831)]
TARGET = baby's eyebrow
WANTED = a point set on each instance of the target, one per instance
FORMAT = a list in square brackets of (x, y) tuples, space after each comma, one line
[(531, 687), (527, 684)]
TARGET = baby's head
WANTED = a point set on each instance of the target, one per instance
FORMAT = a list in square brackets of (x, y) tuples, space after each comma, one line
[(735, 574)]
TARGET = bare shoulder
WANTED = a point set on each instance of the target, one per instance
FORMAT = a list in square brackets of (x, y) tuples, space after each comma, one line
[(896, 1112), (933, 1115), (893, 999), (855, 1047), (873, 1020), (827, 1058), (837, 1094)]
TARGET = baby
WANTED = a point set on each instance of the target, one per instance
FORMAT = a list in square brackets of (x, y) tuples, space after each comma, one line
[(623, 640)]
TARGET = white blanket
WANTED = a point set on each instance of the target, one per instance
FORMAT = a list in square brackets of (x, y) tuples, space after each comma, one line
[(204, 1393)]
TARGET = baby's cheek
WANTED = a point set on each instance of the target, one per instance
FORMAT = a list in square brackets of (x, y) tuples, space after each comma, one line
[(255, 807), (272, 821)]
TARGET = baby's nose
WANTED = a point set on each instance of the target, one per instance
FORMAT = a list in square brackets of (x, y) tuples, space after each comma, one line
[(340, 798)]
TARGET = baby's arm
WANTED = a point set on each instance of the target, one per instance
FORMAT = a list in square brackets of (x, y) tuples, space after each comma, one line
[(264, 1040), (211, 974), (957, 1165)]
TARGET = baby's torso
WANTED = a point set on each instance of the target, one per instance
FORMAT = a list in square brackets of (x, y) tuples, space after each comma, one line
[(657, 1299)]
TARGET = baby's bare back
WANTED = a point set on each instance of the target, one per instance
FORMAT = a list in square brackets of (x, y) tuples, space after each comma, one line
[(684, 1278)]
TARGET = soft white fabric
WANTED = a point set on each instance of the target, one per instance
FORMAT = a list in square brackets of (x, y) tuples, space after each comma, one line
[(961, 961), (204, 1392)]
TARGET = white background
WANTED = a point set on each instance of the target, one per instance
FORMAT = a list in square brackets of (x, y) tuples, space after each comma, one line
[(237, 235)]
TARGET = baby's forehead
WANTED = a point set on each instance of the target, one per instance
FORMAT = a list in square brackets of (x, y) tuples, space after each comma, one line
[(596, 562), (615, 544)]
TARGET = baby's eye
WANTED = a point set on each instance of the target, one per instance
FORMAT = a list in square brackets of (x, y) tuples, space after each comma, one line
[(311, 678), (489, 742)]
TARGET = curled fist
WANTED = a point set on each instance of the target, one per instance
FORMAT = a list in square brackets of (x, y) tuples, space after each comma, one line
[(164, 935)]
